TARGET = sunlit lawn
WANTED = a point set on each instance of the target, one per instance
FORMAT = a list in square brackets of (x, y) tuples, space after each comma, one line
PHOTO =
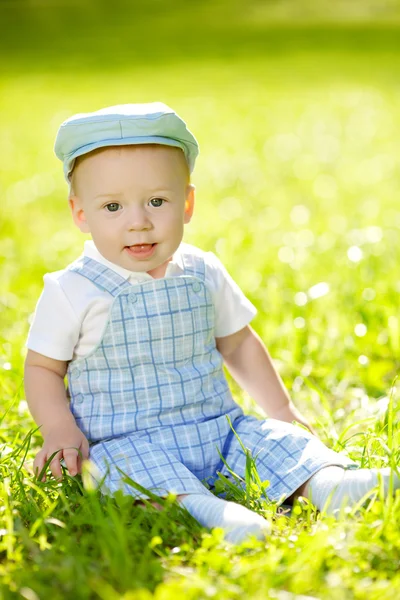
[(297, 192)]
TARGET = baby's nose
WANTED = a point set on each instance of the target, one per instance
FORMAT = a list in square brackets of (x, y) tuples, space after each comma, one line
[(138, 219)]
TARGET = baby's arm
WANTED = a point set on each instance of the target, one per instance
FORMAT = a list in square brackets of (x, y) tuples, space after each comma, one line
[(47, 400), (248, 361)]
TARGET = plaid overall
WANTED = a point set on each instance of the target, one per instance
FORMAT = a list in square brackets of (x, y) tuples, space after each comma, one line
[(152, 397)]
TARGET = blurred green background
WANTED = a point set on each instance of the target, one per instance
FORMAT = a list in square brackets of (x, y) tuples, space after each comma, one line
[(296, 108)]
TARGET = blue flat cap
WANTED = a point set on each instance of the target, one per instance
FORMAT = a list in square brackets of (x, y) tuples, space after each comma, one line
[(122, 125)]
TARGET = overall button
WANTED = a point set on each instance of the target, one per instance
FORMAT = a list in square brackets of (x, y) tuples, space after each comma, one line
[(75, 373), (196, 287), (79, 398), (132, 297)]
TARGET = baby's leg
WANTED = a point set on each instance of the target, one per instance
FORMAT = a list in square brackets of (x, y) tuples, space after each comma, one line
[(287, 456), (333, 487), (237, 521), (154, 468)]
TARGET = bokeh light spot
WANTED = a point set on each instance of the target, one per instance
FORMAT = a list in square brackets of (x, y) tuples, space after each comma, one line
[(300, 215), (299, 323), (318, 290), (360, 329), (300, 299), (355, 254), (286, 254), (368, 294)]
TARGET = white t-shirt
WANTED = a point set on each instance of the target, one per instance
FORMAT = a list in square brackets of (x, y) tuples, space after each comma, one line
[(72, 311)]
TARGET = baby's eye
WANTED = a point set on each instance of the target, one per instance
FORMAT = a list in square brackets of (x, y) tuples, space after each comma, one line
[(156, 202), (112, 207)]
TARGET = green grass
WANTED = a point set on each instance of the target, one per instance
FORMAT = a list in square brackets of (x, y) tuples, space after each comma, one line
[(297, 187)]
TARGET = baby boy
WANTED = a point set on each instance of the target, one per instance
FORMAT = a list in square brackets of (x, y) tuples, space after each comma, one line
[(142, 324)]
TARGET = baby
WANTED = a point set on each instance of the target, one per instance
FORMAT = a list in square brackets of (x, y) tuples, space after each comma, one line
[(142, 324)]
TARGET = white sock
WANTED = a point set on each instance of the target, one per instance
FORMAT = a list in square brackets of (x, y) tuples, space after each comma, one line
[(238, 521), (332, 488)]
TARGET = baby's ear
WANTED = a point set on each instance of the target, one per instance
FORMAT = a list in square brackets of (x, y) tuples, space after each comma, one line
[(189, 202), (78, 214)]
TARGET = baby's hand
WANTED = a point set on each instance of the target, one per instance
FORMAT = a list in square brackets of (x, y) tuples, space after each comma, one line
[(70, 444)]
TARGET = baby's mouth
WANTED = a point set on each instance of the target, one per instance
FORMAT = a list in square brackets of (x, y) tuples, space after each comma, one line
[(141, 250), (140, 246)]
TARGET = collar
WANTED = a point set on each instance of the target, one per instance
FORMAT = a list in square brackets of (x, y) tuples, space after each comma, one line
[(174, 267)]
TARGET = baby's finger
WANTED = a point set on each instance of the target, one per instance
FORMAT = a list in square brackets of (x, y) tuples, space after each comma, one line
[(85, 449), (55, 466), (82, 456), (38, 465), (71, 460)]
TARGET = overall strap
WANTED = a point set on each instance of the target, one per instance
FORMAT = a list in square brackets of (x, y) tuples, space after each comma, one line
[(103, 277), (193, 264)]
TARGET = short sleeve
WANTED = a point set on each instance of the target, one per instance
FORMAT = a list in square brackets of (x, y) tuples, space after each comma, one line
[(55, 328), (233, 310)]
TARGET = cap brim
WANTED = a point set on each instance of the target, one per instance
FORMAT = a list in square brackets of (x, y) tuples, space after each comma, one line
[(133, 141)]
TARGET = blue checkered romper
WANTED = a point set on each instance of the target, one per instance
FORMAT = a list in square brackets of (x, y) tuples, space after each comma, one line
[(152, 397)]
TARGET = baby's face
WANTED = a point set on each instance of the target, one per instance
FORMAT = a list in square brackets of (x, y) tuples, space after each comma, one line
[(134, 200)]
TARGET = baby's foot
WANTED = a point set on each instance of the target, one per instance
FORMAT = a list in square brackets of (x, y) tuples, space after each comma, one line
[(334, 487), (237, 521)]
